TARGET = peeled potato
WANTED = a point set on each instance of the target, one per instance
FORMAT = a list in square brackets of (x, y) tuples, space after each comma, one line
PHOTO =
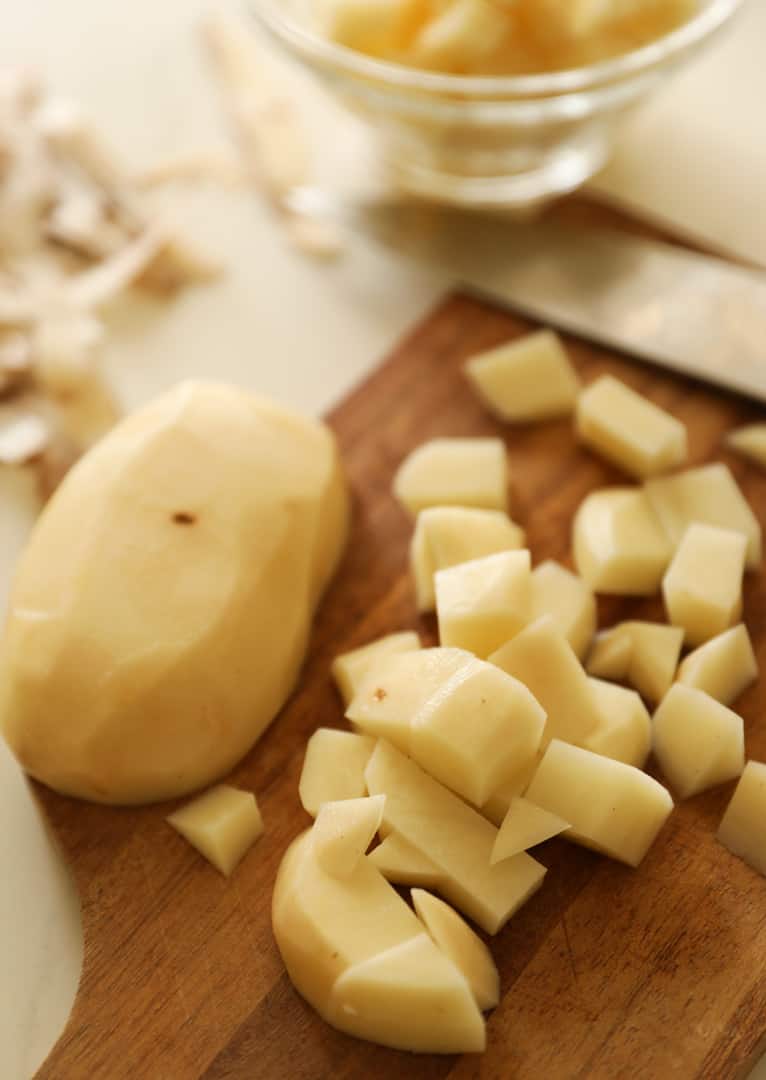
[(160, 612)]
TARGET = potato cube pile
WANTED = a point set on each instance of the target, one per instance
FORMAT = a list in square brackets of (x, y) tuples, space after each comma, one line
[(527, 721)]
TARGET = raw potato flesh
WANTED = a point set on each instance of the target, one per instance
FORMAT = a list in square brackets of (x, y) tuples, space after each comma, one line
[(482, 603), (542, 659), (743, 826), (455, 837), (464, 948), (463, 34), (445, 536), (564, 596), (470, 725), (402, 864), (375, 27), (524, 826), (343, 831), (628, 430), (454, 472), (612, 807), (530, 378), (223, 824), (610, 656), (703, 586), (618, 544), (750, 441), (359, 955), (176, 569), (708, 495), (625, 728), (654, 653), (499, 803), (698, 742), (333, 768), (723, 667), (350, 669)]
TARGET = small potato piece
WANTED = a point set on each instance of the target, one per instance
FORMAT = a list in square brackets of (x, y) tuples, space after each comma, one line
[(462, 36), (499, 803), (376, 27), (618, 544), (333, 768), (698, 742), (654, 653), (223, 824), (524, 826), (482, 603), (743, 826), (564, 596), (530, 378), (628, 430), (723, 667), (350, 669), (708, 495), (454, 472), (445, 536), (750, 441), (702, 588), (461, 945), (624, 731), (343, 831), (610, 655), (612, 807), (542, 659), (402, 864)]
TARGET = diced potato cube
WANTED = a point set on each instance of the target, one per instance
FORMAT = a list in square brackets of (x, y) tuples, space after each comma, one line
[(618, 544), (464, 948), (333, 768), (524, 826), (609, 657), (750, 441), (624, 731), (710, 496), (723, 667), (222, 824), (530, 378), (698, 742), (377, 27), (499, 803), (628, 430), (350, 669), (424, 813), (402, 864), (542, 658), (343, 831), (743, 827), (445, 536), (454, 472), (463, 35), (564, 596), (654, 653), (612, 807), (702, 588), (482, 603)]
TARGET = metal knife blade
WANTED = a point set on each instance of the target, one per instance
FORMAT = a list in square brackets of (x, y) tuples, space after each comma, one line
[(693, 313)]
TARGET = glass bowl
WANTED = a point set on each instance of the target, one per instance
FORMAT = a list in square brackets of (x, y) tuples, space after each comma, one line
[(511, 141)]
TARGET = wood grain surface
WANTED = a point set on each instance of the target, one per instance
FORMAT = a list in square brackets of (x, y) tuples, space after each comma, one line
[(606, 973)]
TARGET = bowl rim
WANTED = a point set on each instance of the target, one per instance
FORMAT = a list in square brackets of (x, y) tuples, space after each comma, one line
[(311, 45)]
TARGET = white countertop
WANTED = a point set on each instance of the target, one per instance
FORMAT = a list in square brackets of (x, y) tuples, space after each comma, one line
[(299, 331)]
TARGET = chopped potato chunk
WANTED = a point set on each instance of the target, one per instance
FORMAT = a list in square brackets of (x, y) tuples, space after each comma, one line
[(708, 495), (402, 864), (750, 441), (350, 669), (626, 429), (564, 596), (333, 768), (703, 585), (223, 824), (610, 655), (454, 472), (698, 742), (463, 35), (343, 831), (612, 807), (743, 827), (376, 27), (624, 731), (723, 667), (530, 378), (653, 655), (618, 544), (524, 826), (482, 603)]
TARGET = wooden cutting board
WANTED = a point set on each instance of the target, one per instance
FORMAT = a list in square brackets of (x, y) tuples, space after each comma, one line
[(607, 972)]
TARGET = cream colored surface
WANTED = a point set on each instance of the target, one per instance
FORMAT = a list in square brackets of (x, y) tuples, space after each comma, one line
[(222, 824), (454, 472), (524, 826), (702, 589), (624, 729), (571, 604), (741, 828), (617, 543), (350, 669), (698, 742), (143, 78), (723, 667), (333, 768)]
